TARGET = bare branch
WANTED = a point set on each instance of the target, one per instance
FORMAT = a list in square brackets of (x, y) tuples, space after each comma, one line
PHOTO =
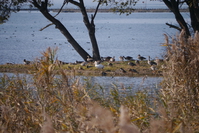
[(100, 1), (173, 26), (64, 3), (46, 27)]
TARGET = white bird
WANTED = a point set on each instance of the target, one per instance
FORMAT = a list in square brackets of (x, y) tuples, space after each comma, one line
[(99, 66)]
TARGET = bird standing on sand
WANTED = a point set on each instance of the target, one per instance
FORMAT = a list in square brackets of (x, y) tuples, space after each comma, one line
[(99, 66), (141, 57)]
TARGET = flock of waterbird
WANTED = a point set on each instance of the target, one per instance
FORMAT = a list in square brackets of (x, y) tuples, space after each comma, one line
[(131, 62)]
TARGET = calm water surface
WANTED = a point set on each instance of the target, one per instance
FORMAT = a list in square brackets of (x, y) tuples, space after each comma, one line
[(138, 33), (130, 84)]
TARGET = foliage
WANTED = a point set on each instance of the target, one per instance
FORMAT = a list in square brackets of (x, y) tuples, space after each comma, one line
[(7, 6), (121, 5)]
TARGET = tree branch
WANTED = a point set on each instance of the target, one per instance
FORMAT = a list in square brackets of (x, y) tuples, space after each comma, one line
[(64, 3), (46, 27), (173, 26), (96, 10), (75, 3)]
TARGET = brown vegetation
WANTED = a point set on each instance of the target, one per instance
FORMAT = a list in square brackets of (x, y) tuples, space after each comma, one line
[(49, 103)]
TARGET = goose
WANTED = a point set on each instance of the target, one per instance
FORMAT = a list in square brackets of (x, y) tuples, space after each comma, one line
[(97, 65), (26, 62), (107, 58), (110, 64), (122, 70), (121, 58), (128, 58), (103, 73), (78, 62), (141, 57), (89, 59), (131, 64), (133, 71), (151, 62), (112, 59), (83, 63), (157, 60), (153, 67), (137, 62)]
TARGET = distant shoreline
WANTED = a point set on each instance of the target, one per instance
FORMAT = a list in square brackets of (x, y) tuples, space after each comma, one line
[(108, 10)]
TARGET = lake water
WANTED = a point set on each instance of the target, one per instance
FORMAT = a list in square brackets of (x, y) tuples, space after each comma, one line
[(123, 84), (117, 35)]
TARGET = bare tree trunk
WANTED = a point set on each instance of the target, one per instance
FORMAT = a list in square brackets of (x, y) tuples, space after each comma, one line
[(60, 26), (91, 29), (173, 6), (194, 14)]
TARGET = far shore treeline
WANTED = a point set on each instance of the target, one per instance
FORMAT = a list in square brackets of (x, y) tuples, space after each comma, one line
[(108, 10)]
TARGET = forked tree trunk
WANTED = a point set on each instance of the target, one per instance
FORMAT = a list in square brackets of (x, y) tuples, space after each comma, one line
[(91, 29), (64, 31)]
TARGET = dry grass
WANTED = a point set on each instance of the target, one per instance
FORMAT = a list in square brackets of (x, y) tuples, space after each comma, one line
[(51, 103)]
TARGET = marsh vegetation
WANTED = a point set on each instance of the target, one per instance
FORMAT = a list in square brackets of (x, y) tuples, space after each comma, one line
[(51, 103)]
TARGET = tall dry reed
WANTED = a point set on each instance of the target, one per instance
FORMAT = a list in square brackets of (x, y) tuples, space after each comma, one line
[(180, 93)]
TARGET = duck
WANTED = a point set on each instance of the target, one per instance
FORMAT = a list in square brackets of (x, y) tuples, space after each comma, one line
[(99, 66), (128, 58), (26, 62), (141, 57), (151, 62)]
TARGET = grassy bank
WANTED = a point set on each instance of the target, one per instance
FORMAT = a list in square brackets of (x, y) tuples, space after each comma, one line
[(89, 69), (50, 103)]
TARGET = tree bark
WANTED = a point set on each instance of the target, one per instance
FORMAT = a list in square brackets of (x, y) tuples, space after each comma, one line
[(61, 27), (91, 29), (194, 14), (173, 6)]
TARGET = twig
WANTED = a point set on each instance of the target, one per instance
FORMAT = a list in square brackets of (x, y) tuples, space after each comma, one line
[(46, 27), (173, 26)]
